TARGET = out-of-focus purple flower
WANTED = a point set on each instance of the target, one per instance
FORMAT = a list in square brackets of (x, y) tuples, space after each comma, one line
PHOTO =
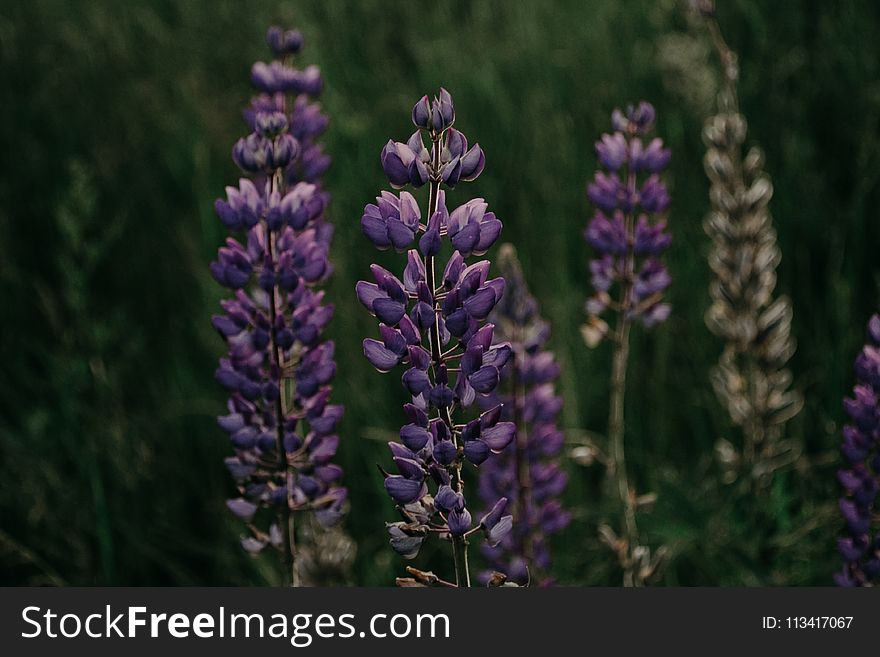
[(291, 93), (612, 151), (627, 238), (636, 120), (859, 547), (432, 321), (629, 281), (527, 473), (283, 42), (278, 369)]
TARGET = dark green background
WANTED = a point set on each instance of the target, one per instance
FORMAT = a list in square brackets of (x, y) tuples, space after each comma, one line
[(115, 131)]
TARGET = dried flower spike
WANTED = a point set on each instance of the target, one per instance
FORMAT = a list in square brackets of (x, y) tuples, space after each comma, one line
[(751, 378), (860, 478), (433, 323), (628, 233), (527, 471), (279, 368)]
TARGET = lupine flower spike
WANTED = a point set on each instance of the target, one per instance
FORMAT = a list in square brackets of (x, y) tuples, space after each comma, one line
[(751, 378), (860, 477), (527, 470), (432, 321), (279, 368), (628, 233)]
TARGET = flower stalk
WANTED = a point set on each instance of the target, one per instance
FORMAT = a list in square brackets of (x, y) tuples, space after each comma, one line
[(528, 470), (751, 379), (279, 369), (629, 244), (435, 327)]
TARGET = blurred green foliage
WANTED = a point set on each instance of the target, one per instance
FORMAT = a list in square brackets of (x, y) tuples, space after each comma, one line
[(117, 123)]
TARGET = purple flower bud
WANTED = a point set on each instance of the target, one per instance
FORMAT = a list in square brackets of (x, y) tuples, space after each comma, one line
[(396, 158), (612, 151), (650, 239), (416, 381), (242, 509), (485, 379), (653, 197), (444, 452), (406, 545), (654, 158), (472, 163), (421, 113), (499, 436), (415, 437), (637, 120), (270, 124), (403, 490), (608, 193), (253, 153), (472, 229), (284, 42), (442, 112), (414, 274), (476, 451), (495, 524), (448, 500), (607, 235), (459, 522)]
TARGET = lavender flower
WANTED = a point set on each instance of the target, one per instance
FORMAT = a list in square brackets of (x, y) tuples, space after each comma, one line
[(527, 469), (751, 378), (860, 479), (279, 368), (628, 233), (435, 327)]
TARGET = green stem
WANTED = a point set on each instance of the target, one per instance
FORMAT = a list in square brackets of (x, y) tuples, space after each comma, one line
[(616, 421)]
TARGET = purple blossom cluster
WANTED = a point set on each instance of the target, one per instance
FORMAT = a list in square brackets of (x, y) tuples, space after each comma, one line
[(279, 369), (435, 327), (860, 479), (291, 91), (527, 470), (628, 194)]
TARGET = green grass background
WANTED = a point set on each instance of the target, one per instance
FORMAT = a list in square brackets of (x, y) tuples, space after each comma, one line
[(115, 131)]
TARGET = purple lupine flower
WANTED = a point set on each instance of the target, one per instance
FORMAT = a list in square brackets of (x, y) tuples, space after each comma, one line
[(859, 547), (527, 470), (432, 321), (628, 233), (279, 369)]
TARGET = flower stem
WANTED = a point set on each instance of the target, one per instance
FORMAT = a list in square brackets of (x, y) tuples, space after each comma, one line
[(616, 430), (616, 422), (459, 543), (729, 64), (460, 555), (285, 513)]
